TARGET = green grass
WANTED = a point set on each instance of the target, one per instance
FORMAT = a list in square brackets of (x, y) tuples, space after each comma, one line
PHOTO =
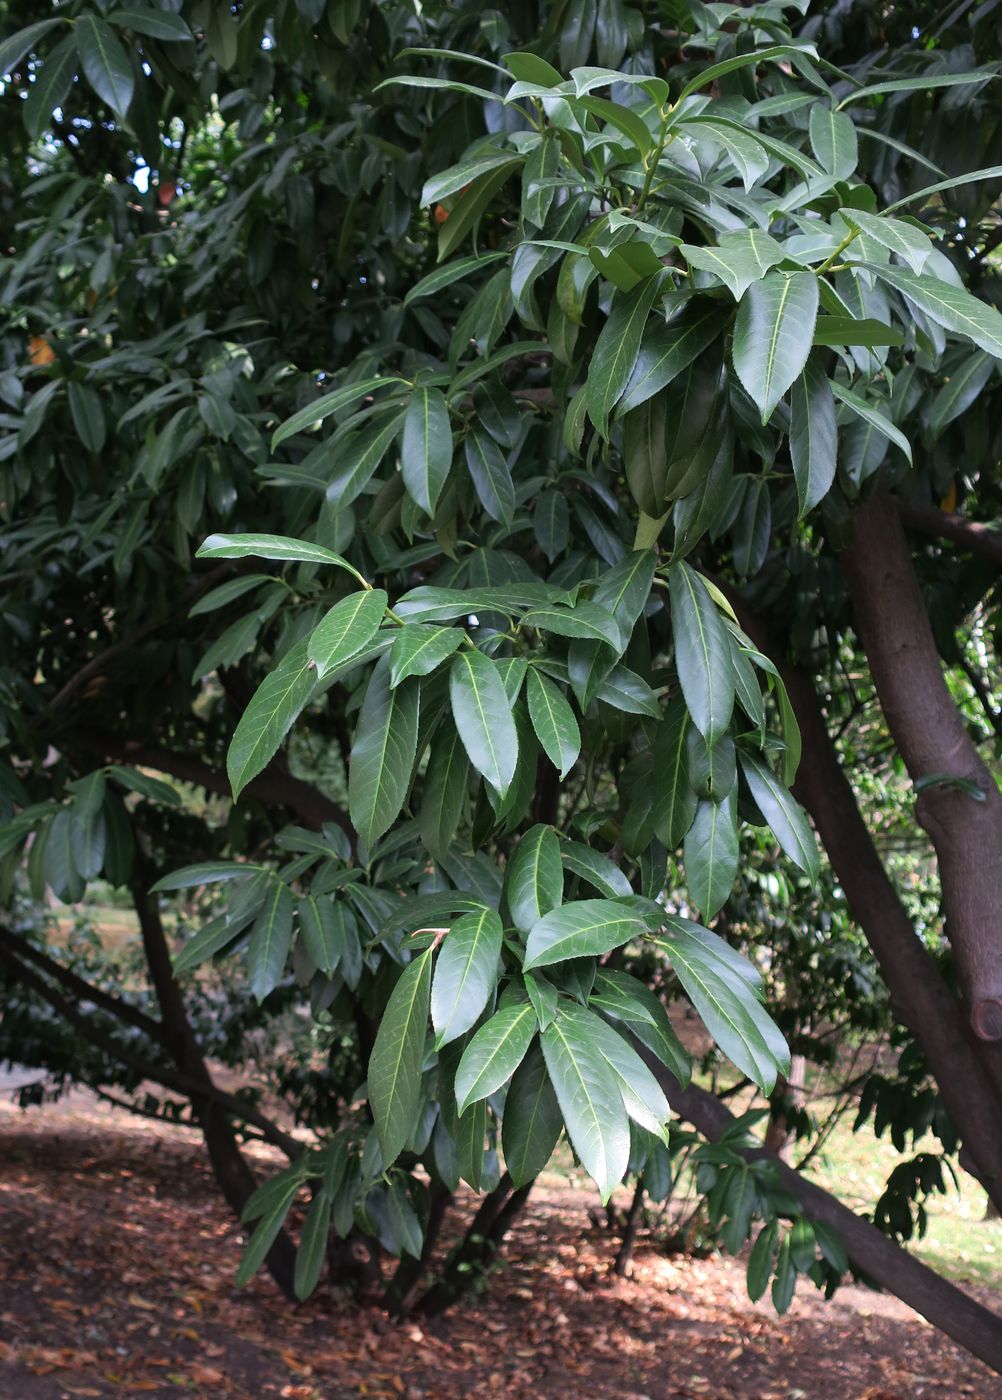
[(959, 1243)]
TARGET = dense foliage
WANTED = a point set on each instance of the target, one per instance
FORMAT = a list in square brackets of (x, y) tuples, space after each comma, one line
[(508, 370)]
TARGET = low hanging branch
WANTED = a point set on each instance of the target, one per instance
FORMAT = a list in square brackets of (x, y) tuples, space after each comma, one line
[(870, 1251), (969, 535)]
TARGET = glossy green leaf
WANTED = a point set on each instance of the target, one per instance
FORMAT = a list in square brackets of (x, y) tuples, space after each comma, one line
[(339, 399), (773, 335), (711, 854), (702, 652), (589, 1100), (813, 436), (483, 717), (21, 42), (598, 870), (51, 85), (347, 629), (208, 873), (783, 813), (273, 708), (674, 804), (666, 350), (616, 350), (382, 754), (105, 63), (582, 928), (444, 791), (270, 939), (426, 447), (152, 24), (643, 1098), (312, 1252), (833, 140), (729, 1008), (394, 1073), (870, 414), (535, 877), (532, 1120), (554, 722), (739, 259), (356, 458), (491, 476), (319, 931), (272, 547), (953, 308), (465, 974), (417, 649), (626, 999), (494, 1054), (587, 621), (472, 204)]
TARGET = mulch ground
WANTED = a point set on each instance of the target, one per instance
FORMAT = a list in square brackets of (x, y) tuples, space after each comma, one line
[(117, 1259)]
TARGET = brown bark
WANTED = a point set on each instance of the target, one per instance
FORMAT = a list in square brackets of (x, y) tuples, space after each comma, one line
[(965, 1069), (933, 740), (870, 1252)]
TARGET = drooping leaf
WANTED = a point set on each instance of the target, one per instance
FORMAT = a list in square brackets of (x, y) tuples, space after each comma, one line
[(532, 1120), (483, 717), (271, 713), (105, 63), (394, 1074), (702, 653), (535, 877), (813, 436), (444, 791), (553, 720), (773, 335), (426, 447), (783, 813), (494, 1054), (270, 939), (589, 1100), (382, 754), (465, 974), (616, 350)]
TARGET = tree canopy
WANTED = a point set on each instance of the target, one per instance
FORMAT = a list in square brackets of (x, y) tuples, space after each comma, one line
[(466, 478)]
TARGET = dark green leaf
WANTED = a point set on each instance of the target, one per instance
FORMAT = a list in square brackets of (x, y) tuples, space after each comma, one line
[(579, 929), (417, 649), (702, 653), (105, 63), (394, 1075), (773, 335), (272, 711), (382, 755), (535, 878), (813, 436), (426, 448), (532, 1120), (494, 1054), (465, 974), (589, 1100), (270, 939), (711, 854), (347, 629), (483, 717)]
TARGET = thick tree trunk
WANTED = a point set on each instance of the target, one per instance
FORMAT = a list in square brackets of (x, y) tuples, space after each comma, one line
[(961, 1065), (965, 823), (235, 1178), (870, 1252)]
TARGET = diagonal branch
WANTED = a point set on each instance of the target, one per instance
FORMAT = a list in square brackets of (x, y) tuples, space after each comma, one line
[(870, 1251), (970, 535), (81, 989)]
